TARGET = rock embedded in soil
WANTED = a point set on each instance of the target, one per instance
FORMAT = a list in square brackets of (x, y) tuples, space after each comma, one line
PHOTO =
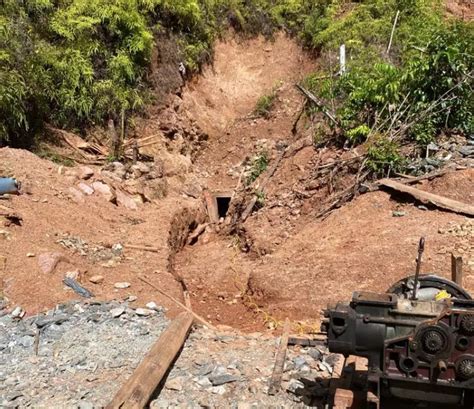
[(122, 285), (96, 279), (85, 172)]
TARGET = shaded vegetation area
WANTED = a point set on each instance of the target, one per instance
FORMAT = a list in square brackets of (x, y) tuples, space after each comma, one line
[(77, 63)]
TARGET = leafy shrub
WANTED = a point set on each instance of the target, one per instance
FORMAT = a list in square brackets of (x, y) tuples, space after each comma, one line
[(265, 104), (383, 155), (258, 165)]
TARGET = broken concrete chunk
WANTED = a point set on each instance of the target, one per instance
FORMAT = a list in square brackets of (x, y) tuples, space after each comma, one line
[(105, 190), (85, 188), (86, 172)]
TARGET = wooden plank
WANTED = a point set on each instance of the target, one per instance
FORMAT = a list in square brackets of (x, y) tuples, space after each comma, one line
[(430, 198), (211, 205), (275, 381), (136, 392), (184, 307), (456, 269)]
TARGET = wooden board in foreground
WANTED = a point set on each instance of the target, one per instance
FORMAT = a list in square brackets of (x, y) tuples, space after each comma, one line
[(136, 392), (275, 381), (430, 198)]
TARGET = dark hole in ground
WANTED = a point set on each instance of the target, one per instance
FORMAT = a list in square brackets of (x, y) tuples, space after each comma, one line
[(223, 205)]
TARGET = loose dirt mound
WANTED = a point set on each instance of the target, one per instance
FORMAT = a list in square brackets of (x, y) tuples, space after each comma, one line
[(242, 72), (53, 224)]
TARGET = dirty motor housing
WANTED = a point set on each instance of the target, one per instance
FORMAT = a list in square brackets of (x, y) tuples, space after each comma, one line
[(420, 350)]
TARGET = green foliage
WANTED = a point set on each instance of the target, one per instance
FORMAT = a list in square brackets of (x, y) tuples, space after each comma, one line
[(423, 89), (258, 165), (383, 155), (265, 104), (358, 134)]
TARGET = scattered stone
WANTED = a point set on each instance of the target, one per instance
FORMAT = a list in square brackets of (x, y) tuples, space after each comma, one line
[(122, 285), (117, 312), (126, 201), (85, 172), (105, 190), (398, 213), (294, 385), (48, 261), (117, 249), (152, 306), (76, 195), (30, 255), (175, 384), (17, 313), (143, 312), (132, 298), (97, 279), (217, 380), (73, 274), (5, 235), (85, 188)]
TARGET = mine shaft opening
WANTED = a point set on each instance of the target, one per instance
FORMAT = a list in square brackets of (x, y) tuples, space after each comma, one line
[(223, 204)]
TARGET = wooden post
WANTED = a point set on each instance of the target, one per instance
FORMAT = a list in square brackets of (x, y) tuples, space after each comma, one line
[(275, 380), (136, 392), (456, 269), (114, 140)]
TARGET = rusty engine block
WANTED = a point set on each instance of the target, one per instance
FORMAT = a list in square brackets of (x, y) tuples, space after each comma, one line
[(420, 349)]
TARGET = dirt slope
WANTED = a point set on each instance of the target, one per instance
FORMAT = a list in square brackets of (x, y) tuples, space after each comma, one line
[(293, 264)]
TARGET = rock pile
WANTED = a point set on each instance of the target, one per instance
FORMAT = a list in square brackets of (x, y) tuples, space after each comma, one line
[(125, 185), (79, 354)]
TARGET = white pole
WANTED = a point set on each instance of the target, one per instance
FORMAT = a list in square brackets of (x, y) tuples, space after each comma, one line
[(342, 59)]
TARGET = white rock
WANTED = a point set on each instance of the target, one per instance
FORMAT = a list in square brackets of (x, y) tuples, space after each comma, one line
[(117, 312), (105, 190), (143, 312), (152, 306), (72, 274), (219, 390), (17, 312), (122, 285), (85, 188), (132, 298)]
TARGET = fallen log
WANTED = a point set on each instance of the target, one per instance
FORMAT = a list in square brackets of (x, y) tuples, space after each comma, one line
[(319, 104), (429, 198), (275, 380), (137, 391)]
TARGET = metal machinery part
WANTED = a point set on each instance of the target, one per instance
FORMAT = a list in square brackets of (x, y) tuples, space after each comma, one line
[(419, 351)]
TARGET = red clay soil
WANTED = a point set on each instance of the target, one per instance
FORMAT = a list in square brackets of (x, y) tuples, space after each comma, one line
[(362, 246), (463, 9), (49, 214), (296, 263)]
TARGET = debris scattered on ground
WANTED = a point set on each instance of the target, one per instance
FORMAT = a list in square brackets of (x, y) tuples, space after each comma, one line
[(87, 350)]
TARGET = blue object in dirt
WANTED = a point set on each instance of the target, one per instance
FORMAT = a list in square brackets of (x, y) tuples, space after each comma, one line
[(9, 185)]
